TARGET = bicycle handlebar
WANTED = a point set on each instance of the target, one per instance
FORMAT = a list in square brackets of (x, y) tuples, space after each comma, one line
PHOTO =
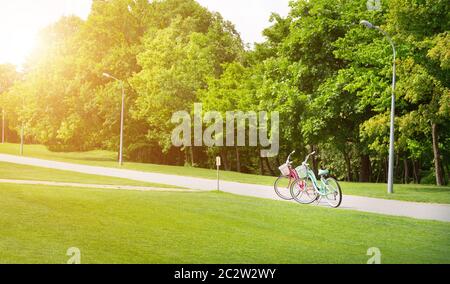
[(306, 160), (307, 157), (289, 157)]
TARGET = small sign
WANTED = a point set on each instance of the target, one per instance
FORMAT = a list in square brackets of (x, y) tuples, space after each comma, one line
[(218, 164)]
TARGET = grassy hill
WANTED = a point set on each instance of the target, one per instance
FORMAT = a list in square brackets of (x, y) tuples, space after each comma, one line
[(40, 223)]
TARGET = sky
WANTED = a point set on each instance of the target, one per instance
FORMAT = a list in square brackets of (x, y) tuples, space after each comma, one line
[(21, 20), (250, 17)]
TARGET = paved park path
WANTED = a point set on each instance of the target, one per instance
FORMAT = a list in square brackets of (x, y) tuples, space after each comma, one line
[(416, 210)]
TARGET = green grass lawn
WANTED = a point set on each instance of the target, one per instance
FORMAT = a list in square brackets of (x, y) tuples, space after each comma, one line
[(410, 192), (40, 223), (23, 172)]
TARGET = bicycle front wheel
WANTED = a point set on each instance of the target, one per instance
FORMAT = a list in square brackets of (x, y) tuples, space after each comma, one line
[(303, 191), (334, 193), (281, 187)]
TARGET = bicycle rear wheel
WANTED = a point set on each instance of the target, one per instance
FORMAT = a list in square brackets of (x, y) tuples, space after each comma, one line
[(303, 191), (334, 193), (281, 187)]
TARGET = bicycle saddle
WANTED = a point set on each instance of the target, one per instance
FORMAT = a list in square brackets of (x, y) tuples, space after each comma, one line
[(323, 172)]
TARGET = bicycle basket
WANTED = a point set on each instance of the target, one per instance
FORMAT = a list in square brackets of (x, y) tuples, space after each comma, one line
[(284, 169), (302, 171)]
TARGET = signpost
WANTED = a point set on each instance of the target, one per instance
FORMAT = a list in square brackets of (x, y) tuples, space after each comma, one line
[(218, 164), (3, 126)]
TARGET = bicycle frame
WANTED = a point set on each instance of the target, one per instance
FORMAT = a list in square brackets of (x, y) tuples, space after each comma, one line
[(321, 189), (293, 175)]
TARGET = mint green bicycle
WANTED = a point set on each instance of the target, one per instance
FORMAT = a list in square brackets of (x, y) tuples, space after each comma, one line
[(307, 189)]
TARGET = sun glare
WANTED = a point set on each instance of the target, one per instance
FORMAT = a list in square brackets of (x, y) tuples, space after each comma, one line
[(18, 47), (21, 21)]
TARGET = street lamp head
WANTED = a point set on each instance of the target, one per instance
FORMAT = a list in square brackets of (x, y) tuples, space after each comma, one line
[(106, 75), (367, 24)]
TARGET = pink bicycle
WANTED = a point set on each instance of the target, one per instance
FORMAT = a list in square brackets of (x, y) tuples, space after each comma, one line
[(288, 176)]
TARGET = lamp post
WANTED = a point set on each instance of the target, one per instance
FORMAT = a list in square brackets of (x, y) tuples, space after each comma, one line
[(3, 126), (121, 116), (22, 128), (391, 139), (21, 139)]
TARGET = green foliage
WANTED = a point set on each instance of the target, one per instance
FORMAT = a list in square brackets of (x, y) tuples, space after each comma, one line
[(176, 62), (328, 77), (8, 75)]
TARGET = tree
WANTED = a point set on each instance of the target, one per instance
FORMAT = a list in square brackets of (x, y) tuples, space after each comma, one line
[(327, 76), (8, 77), (47, 73), (176, 62), (423, 26)]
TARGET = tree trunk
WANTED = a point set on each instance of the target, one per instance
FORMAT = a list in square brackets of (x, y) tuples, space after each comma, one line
[(348, 165), (415, 175), (269, 167), (397, 167), (416, 169), (278, 161), (444, 182), (192, 156), (406, 170), (364, 175), (261, 165), (238, 160), (448, 172), (314, 160), (437, 154), (380, 170), (226, 163)]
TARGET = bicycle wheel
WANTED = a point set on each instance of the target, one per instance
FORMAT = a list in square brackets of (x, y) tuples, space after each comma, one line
[(334, 194), (302, 191), (281, 187)]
